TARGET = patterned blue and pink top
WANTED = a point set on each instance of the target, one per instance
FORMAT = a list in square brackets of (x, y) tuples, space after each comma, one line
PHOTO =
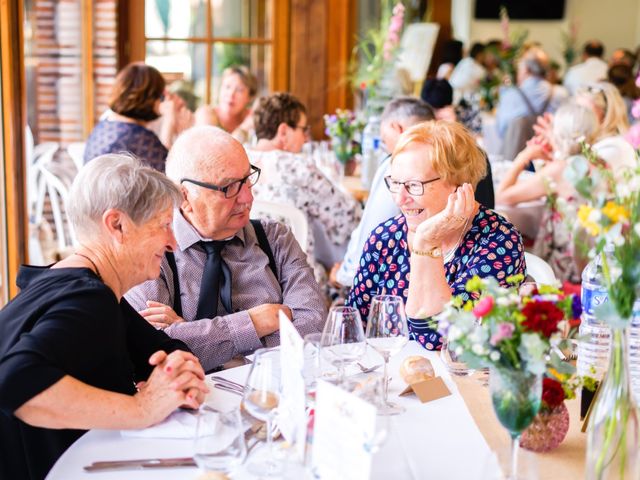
[(491, 248)]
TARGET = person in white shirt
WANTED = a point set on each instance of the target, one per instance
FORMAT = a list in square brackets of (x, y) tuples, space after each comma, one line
[(469, 72), (592, 68)]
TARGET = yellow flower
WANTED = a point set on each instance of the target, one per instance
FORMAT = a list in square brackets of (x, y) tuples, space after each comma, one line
[(585, 216), (615, 212)]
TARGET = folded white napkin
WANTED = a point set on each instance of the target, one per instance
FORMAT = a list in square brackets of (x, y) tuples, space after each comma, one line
[(180, 424)]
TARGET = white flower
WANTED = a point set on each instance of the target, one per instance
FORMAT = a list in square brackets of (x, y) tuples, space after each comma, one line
[(595, 216), (478, 349), (636, 228), (494, 356)]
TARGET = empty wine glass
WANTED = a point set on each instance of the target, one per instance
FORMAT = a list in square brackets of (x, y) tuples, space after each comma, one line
[(219, 444), (387, 333), (343, 340), (260, 400), (453, 362)]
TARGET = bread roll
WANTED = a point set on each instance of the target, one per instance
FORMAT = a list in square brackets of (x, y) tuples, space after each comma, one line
[(416, 369)]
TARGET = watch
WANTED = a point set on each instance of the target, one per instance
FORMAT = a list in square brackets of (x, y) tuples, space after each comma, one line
[(433, 252)]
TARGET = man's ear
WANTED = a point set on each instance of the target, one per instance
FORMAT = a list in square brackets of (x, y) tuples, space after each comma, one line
[(185, 206)]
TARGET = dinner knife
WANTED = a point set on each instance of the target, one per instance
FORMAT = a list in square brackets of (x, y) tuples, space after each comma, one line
[(141, 463)]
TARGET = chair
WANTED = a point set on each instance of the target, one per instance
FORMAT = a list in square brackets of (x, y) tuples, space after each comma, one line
[(539, 270), (76, 152), (52, 185), (40, 155), (287, 214)]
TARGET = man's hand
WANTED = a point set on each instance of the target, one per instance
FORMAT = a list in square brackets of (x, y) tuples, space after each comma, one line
[(160, 315), (265, 318), (333, 275)]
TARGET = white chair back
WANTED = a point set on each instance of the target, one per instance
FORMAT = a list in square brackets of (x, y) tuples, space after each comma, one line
[(42, 154), (76, 152), (539, 270), (291, 216), (52, 185)]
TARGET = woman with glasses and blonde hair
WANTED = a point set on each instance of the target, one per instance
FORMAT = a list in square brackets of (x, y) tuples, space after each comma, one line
[(443, 237), (290, 176), (233, 112)]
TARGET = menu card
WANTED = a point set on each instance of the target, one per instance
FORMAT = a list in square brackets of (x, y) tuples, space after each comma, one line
[(344, 430), (292, 418)]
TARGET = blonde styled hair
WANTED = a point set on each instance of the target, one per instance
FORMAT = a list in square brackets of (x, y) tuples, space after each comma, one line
[(571, 123), (454, 154), (605, 97)]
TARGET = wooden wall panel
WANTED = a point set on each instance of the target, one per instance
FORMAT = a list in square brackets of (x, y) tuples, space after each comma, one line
[(341, 28), (13, 121), (441, 14)]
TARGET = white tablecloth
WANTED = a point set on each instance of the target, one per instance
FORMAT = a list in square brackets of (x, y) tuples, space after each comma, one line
[(436, 440)]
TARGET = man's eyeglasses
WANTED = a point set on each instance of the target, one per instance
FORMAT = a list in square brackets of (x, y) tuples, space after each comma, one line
[(306, 129), (414, 187), (232, 189)]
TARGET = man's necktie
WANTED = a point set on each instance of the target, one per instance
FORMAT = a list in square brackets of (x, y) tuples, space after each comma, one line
[(216, 281)]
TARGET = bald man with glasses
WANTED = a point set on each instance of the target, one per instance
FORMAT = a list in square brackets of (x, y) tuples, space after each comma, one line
[(221, 290)]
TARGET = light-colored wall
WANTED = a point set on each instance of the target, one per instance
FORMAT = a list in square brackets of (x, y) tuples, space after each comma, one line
[(615, 22)]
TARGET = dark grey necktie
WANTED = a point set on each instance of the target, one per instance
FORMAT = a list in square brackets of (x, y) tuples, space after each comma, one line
[(216, 281)]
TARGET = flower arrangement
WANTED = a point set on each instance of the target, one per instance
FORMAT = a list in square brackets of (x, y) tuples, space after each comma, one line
[(569, 41), (345, 129), (375, 54), (611, 215), (508, 330)]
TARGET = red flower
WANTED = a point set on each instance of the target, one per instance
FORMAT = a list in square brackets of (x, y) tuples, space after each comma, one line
[(542, 316), (552, 392)]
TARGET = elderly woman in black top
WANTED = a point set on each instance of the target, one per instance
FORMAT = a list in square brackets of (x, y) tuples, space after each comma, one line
[(71, 347)]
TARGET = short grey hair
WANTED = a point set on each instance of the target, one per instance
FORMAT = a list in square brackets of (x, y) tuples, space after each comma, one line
[(407, 108), (536, 61), (122, 182), (571, 123)]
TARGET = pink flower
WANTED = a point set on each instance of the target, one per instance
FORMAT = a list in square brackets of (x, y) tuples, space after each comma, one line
[(633, 135), (398, 9), (483, 307), (635, 110), (505, 331)]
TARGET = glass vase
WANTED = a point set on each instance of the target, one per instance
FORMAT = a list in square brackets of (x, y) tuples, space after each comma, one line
[(612, 438), (547, 431), (515, 395)]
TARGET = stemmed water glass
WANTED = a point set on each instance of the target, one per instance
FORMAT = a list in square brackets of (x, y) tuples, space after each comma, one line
[(515, 395), (260, 400), (387, 332), (343, 340), (219, 444)]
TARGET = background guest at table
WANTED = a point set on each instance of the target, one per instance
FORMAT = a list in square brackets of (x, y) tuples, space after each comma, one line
[(610, 145), (625, 81), (571, 124), (451, 56), (233, 112), (519, 105), (291, 177), (71, 347), (443, 236), (137, 98), (592, 69), (231, 277), (468, 73)]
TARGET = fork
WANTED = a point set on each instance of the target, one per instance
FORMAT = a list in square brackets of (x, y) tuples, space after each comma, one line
[(368, 369), (229, 388)]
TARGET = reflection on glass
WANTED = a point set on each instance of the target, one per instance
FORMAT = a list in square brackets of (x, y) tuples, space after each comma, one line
[(175, 18), (241, 18), (180, 60), (256, 57)]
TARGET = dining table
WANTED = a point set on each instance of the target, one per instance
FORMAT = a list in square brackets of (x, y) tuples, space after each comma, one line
[(453, 437)]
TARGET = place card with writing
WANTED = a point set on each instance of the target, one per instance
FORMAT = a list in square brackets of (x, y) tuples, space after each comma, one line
[(292, 418), (344, 430)]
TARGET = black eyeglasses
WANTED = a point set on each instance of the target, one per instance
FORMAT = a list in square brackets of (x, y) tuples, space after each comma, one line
[(414, 187), (595, 89), (306, 129), (232, 189)]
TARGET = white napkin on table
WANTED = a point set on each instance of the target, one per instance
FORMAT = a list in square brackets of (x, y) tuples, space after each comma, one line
[(180, 424)]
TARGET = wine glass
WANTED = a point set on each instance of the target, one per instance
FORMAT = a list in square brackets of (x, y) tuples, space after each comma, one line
[(387, 333), (515, 395), (455, 366), (343, 340), (219, 444), (260, 400)]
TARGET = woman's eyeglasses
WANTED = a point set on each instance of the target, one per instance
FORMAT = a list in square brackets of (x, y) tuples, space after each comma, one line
[(233, 188), (414, 187)]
